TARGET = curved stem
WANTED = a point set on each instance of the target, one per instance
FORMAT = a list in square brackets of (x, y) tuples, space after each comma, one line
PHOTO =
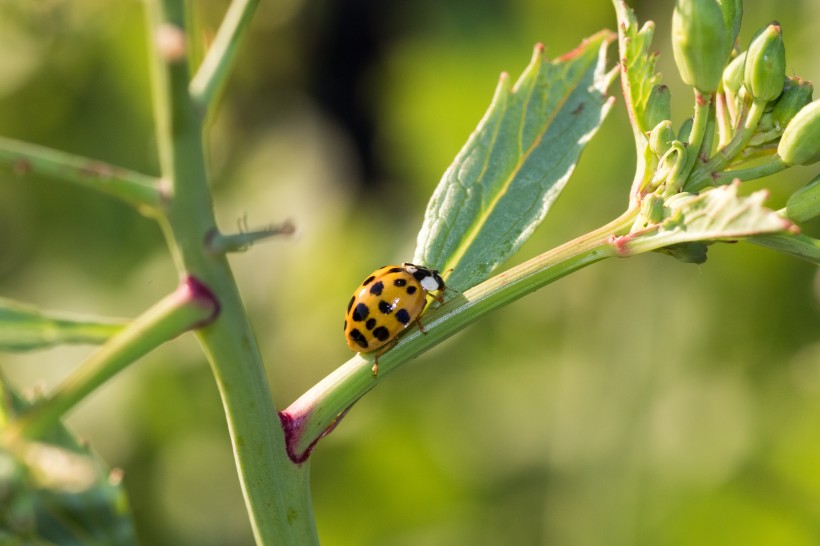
[(276, 490), (775, 165), (316, 412), (186, 308)]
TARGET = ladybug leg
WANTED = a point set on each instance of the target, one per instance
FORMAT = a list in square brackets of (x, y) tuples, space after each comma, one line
[(421, 326), (375, 369)]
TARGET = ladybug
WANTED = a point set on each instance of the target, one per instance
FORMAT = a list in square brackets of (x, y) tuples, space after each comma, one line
[(386, 303)]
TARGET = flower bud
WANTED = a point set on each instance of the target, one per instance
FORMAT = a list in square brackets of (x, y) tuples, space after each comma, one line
[(765, 69), (652, 209), (699, 41), (733, 74), (658, 106), (661, 137), (732, 14), (800, 143), (796, 94)]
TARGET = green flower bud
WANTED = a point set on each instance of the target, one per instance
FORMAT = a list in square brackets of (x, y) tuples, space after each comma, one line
[(652, 209), (658, 106), (765, 69), (800, 143), (733, 74), (699, 41), (732, 14), (661, 137), (796, 94)]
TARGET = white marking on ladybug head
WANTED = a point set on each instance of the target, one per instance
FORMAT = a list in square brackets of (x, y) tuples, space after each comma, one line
[(430, 283)]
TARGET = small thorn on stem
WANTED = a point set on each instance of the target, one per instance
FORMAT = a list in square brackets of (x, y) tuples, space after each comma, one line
[(218, 243)]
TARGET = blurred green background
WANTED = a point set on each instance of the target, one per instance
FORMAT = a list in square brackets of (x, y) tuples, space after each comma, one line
[(638, 402)]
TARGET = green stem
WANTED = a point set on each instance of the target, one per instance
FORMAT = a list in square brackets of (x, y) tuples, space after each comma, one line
[(316, 412), (701, 177), (775, 165), (275, 489), (217, 63), (189, 306), (724, 120), (704, 108), (137, 189)]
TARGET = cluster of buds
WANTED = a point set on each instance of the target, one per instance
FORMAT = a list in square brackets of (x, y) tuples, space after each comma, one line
[(746, 107)]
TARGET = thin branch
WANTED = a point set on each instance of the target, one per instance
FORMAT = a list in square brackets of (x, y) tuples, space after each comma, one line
[(190, 306), (140, 190), (318, 411), (214, 70)]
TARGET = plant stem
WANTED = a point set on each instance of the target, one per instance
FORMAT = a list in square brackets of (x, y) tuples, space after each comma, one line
[(704, 108), (316, 412), (702, 176), (182, 310), (135, 188), (774, 165), (724, 121), (217, 63), (276, 490)]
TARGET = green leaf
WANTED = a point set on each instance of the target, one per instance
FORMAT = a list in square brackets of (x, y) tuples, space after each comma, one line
[(717, 214), (515, 164), (24, 328), (56, 490), (638, 75), (798, 245), (804, 204)]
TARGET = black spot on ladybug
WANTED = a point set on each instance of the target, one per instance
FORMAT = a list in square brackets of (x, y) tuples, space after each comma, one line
[(385, 308), (360, 312), (403, 316), (411, 289), (370, 324), (394, 270), (377, 288), (350, 305), (381, 333), (345, 325), (368, 280), (399, 282), (358, 337), (419, 274)]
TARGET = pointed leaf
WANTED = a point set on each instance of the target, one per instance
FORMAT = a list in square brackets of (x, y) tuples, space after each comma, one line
[(798, 245), (717, 214), (24, 328), (804, 204), (638, 75), (515, 164)]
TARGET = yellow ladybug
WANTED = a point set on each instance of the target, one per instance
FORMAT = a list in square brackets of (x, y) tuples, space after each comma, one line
[(386, 303)]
